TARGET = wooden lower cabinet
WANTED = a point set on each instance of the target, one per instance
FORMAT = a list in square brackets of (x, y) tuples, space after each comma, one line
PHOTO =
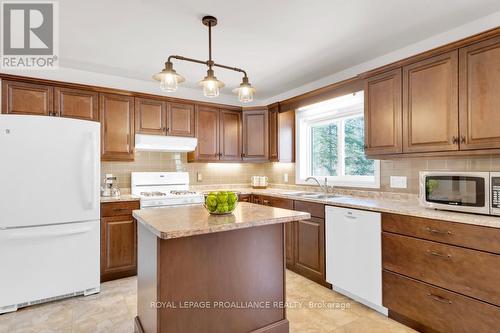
[(118, 240), (310, 248), (427, 308), (438, 276), (304, 240)]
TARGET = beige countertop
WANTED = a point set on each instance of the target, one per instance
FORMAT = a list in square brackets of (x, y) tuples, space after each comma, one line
[(123, 197), (184, 221), (389, 203)]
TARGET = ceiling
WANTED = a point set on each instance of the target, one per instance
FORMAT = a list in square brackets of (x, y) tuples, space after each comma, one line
[(282, 44)]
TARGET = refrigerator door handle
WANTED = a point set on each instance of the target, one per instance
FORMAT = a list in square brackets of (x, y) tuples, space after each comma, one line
[(91, 149), (27, 235)]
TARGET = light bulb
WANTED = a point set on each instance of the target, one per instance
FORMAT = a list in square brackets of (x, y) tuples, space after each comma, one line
[(168, 82)]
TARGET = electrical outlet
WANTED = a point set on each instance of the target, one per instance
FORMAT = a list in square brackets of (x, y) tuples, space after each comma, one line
[(398, 182), (285, 178), (199, 176)]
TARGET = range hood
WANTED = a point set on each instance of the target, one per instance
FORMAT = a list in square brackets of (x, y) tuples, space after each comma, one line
[(174, 144)]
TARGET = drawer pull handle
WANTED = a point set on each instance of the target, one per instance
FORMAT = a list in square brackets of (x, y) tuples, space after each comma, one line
[(351, 217), (439, 254), (439, 298), (265, 202), (437, 231), (119, 209)]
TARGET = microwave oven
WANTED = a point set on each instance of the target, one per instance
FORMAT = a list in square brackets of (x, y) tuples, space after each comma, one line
[(470, 192)]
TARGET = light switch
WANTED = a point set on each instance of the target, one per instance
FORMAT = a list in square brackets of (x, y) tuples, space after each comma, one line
[(398, 182), (199, 176), (285, 178)]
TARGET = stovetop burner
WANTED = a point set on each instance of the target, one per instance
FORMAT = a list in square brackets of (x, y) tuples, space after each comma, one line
[(153, 194), (182, 192)]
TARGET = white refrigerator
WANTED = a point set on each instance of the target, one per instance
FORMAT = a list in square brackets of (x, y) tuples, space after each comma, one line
[(49, 209)]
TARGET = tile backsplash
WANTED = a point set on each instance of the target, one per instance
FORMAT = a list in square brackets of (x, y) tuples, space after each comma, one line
[(240, 173)]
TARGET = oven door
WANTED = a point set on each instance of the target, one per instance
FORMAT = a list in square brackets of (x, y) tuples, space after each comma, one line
[(460, 191)]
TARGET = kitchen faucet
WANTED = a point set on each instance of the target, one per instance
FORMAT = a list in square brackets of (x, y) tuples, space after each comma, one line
[(324, 187)]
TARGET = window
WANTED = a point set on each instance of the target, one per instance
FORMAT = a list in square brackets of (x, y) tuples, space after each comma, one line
[(330, 141)]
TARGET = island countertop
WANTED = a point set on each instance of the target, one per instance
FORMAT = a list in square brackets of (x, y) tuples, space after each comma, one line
[(184, 221)]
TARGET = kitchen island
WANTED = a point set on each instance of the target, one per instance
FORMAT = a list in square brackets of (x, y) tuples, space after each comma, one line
[(206, 273)]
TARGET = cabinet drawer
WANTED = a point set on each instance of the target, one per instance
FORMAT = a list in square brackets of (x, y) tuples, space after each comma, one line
[(469, 272), (277, 202), (315, 209), (436, 309), (118, 208), (471, 236)]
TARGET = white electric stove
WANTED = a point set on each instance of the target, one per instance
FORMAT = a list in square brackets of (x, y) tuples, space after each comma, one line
[(158, 189)]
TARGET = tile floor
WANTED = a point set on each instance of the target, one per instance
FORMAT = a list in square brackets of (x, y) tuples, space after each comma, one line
[(113, 310)]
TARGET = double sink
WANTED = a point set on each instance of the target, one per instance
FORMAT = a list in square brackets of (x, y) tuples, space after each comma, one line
[(310, 195)]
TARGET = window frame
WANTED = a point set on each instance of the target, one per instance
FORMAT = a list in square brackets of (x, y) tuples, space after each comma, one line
[(305, 120)]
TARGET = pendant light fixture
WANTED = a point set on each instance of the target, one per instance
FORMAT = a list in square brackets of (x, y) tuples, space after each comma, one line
[(169, 79)]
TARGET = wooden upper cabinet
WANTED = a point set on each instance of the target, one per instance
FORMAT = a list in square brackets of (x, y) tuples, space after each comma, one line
[(383, 115), (27, 98), (76, 103), (117, 127), (480, 95), (150, 116), (207, 132), (430, 104), (273, 132), (230, 135), (255, 135), (180, 119)]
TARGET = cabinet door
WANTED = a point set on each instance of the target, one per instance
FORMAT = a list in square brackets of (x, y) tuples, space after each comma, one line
[(230, 135), (27, 98), (117, 127), (310, 248), (150, 116), (430, 104), (479, 95), (383, 116), (286, 136), (273, 133), (255, 135), (207, 132), (76, 103), (118, 247), (180, 119)]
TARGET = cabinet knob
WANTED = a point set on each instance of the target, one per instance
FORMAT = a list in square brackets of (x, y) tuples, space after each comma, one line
[(462, 139), (454, 140), (365, 147), (242, 154)]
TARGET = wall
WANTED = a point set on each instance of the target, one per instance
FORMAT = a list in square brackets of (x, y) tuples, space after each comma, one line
[(212, 173), (240, 173)]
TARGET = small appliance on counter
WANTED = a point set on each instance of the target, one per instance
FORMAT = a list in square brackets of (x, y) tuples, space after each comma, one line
[(110, 189), (471, 192), (259, 181)]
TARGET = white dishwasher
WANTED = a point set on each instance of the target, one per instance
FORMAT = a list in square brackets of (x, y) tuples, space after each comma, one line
[(354, 255)]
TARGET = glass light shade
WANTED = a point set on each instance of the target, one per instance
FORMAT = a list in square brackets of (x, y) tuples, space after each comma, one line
[(245, 92), (169, 79), (211, 86), (169, 82)]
